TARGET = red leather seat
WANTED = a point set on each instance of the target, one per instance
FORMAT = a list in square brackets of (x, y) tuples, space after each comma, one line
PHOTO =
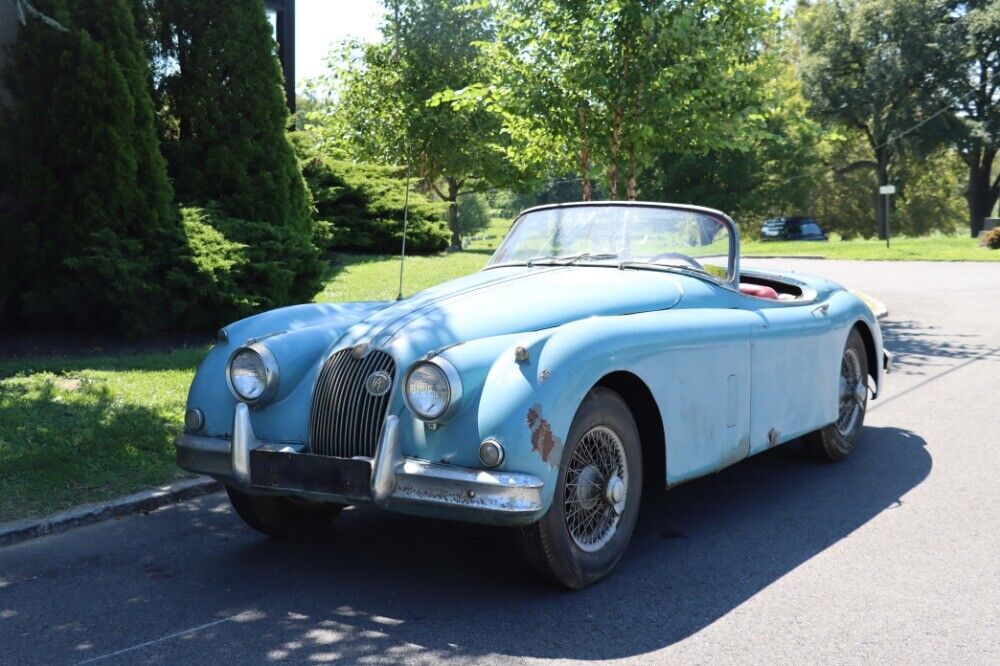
[(758, 290)]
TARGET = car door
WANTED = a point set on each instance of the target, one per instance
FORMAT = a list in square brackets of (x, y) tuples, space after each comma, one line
[(791, 391)]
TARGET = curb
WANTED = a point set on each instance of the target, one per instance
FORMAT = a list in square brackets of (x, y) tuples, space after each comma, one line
[(88, 514)]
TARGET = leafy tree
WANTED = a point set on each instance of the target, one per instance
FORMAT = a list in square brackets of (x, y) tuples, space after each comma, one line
[(866, 65), (613, 82), (773, 173), (928, 196), (224, 121), (381, 112), (89, 231), (971, 79)]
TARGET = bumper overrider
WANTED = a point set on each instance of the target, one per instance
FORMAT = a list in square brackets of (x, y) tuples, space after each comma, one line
[(389, 479)]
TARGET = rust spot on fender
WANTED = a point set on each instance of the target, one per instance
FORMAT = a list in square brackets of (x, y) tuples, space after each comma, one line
[(542, 439)]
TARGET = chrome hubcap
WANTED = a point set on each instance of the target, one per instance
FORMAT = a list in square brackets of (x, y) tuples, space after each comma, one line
[(853, 394), (596, 488)]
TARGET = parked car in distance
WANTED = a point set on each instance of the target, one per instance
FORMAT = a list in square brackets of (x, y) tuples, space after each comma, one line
[(792, 229), (606, 350)]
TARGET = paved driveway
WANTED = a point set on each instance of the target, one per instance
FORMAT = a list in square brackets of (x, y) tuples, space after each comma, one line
[(891, 556)]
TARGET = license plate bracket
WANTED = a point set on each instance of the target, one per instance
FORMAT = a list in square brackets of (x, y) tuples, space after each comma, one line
[(304, 472)]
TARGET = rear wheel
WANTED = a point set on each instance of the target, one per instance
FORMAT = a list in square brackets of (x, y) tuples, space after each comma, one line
[(835, 441), (587, 528), (282, 516)]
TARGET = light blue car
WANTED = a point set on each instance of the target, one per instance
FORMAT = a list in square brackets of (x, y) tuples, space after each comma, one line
[(605, 348)]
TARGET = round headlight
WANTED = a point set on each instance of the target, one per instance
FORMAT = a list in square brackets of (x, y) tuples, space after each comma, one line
[(432, 389), (253, 373)]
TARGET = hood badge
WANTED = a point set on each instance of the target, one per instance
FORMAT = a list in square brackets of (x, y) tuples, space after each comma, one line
[(378, 383)]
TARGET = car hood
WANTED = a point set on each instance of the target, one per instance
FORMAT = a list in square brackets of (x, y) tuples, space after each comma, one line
[(512, 299)]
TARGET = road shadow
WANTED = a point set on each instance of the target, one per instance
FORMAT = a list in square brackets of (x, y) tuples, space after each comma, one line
[(918, 347), (445, 590)]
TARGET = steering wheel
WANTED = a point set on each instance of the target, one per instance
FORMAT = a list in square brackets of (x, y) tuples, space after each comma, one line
[(676, 255)]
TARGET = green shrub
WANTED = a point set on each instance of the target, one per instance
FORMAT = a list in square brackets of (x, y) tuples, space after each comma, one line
[(239, 266), (89, 231), (473, 214), (991, 239), (224, 120), (359, 207)]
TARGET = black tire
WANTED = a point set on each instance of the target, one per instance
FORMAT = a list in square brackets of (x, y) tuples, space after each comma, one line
[(282, 517), (547, 546), (836, 441)]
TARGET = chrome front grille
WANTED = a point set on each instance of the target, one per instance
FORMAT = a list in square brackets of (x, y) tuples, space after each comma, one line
[(346, 419)]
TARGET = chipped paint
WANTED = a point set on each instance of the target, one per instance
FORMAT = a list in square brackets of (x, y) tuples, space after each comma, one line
[(544, 377), (542, 439)]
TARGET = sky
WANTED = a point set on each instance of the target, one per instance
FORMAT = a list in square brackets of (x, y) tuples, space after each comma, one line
[(321, 23)]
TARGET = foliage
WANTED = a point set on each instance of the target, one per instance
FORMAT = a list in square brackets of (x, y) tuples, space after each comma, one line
[(928, 199), (361, 206), (773, 173), (474, 213), (866, 65), (971, 81), (612, 82), (224, 120), (381, 112), (992, 238), (90, 236)]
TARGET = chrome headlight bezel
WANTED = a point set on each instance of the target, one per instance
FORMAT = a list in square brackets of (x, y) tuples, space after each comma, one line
[(271, 373), (454, 385)]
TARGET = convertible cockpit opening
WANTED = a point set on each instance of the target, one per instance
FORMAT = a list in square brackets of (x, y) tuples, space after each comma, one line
[(775, 290)]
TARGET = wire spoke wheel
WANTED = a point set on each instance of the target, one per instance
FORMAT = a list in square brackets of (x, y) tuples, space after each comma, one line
[(853, 393), (596, 488)]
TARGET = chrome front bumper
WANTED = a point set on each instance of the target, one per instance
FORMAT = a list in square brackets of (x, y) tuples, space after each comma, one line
[(396, 482)]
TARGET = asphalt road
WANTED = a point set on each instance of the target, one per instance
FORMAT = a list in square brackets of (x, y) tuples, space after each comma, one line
[(892, 556)]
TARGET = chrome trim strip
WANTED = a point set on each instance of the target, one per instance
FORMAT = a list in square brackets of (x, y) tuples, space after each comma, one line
[(507, 493), (384, 465), (396, 482), (244, 441)]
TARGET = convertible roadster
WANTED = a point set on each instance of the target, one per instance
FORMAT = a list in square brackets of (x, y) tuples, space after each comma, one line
[(605, 348)]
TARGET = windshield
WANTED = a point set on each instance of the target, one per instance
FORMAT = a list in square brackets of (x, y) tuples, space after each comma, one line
[(624, 236)]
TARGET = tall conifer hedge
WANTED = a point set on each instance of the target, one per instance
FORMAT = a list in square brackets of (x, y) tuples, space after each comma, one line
[(225, 139), (89, 232)]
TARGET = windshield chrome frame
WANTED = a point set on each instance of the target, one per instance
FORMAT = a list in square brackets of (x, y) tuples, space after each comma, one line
[(732, 280)]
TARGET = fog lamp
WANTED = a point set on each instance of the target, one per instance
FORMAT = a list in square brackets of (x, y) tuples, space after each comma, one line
[(490, 453)]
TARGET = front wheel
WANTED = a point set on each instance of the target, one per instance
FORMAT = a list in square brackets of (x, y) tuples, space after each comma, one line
[(596, 501), (282, 516), (835, 441)]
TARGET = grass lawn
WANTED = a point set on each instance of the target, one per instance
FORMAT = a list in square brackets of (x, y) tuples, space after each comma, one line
[(82, 429), (930, 248), (76, 430)]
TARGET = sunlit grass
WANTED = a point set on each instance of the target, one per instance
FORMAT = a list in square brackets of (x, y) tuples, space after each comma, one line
[(77, 430)]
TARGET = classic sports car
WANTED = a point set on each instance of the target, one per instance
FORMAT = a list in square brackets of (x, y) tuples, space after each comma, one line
[(603, 345)]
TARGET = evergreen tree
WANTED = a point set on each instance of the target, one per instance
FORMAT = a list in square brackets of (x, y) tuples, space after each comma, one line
[(89, 230), (225, 127)]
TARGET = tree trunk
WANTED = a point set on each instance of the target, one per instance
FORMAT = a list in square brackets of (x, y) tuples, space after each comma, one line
[(633, 190), (585, 154), (452, 199), (616, 139), (981, 194)]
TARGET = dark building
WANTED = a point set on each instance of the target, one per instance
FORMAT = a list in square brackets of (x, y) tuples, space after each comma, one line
[(281, 13)]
